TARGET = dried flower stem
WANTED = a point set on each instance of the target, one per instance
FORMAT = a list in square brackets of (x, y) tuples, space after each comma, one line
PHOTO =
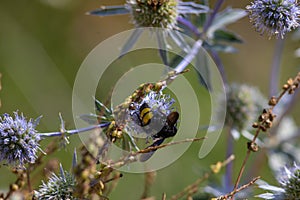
[(287, 110), (164, 196), (149, 149), (191, 189), (18, 184), (265, 122), (51, 148), (229, 151), (149, 180), (132, 157), (226, 196)]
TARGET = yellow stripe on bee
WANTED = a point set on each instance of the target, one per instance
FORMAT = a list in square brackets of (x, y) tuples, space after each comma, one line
[(146, 118), (146, 115), (144, 112)]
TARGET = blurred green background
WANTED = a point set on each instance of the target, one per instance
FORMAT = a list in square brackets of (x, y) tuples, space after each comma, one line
[(44, 42)]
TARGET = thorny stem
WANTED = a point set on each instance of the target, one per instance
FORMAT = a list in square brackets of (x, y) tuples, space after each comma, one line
[(164, 196), (224, 197), (198, 44), (219, 64), (149, 149), (17, 185), (212, 52), (194, 185), (287, 110), (229, 167), (275, 68), (28, 180), (290, 87), (72, 132), (149, 180), (189, 25), (131, 157)]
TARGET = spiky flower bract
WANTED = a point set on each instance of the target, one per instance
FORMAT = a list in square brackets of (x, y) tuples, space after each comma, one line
[(57, 187), (153, 13), (243, 105), (19, 141), (274, 17), (290, 182)]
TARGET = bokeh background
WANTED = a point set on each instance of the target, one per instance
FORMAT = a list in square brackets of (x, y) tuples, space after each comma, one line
[(44, 42)]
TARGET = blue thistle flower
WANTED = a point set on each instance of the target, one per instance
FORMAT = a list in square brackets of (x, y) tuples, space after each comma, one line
[(58, 187), (19, 141), (275, 17), (289, 180)]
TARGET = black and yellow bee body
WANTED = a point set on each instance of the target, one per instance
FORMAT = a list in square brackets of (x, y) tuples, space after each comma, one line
[(145, 115), (168, 130)]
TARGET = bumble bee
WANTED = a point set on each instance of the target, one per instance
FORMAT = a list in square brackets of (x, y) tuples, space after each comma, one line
[(144, 114), (168, 130)]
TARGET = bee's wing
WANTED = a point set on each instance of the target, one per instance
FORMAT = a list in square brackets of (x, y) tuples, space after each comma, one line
[(145, 156)]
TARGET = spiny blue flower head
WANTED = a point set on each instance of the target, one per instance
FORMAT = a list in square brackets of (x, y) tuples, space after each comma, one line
[(290, 182), (19, 141), (274, 17), (58, 187)]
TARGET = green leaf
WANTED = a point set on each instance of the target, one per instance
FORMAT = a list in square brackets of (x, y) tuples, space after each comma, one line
[(224, 18), (109, 11), (226, 36)]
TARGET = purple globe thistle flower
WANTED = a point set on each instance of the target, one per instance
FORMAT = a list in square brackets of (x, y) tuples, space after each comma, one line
[(275, 17), (19, 142)]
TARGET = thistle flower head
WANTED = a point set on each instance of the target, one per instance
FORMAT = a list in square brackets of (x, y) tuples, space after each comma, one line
[(159, 106), (153, 13), (275, 17), (289, 180), (243, 105), (19, 142), (58, 187)]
